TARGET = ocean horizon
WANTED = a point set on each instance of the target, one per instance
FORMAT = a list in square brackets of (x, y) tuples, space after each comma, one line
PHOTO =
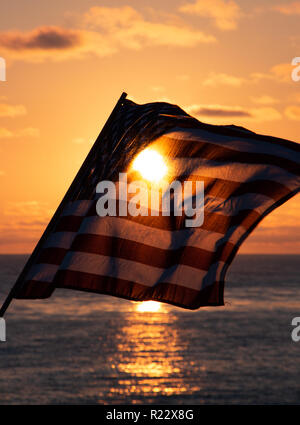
[(83, 348)]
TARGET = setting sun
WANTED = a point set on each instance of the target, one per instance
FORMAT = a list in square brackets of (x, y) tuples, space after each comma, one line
[(148, 307), (150, 164)]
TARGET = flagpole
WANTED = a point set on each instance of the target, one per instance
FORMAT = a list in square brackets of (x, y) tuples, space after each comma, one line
[(53, 221)]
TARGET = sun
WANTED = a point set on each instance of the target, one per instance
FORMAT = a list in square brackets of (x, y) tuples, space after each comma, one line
[(150, 164), (148, 307)]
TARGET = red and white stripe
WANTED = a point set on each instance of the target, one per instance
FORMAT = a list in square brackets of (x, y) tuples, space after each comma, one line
[(157, 258)]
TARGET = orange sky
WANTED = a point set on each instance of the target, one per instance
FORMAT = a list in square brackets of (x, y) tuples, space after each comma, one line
[(225, 61)]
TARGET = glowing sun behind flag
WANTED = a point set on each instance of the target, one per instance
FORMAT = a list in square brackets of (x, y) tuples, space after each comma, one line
[(150, 164)]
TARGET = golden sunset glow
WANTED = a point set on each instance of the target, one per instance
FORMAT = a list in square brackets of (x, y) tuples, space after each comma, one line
[(150, 164), (68, 63), (148, 307)]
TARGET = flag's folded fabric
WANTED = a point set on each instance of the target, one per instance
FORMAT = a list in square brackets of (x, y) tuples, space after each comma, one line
[(245, 175)]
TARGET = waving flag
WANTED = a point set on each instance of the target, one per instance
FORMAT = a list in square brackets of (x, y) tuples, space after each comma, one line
[(157, 257)]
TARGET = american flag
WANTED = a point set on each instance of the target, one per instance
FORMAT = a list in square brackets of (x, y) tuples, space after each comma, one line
[(245, 175)]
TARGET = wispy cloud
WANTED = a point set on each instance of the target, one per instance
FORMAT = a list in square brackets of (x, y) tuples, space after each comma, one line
[(50, 42), (277, 239), (7, 110), (22, 133), (280, 73), (218, 111), (158, 89), (225, 13), (223, 114), (264, 99), (22, 224), (102, 31), (28, 132), (293, 112), (26, 213), (5, 134), (215, 79), (292, 8), (126, 27)]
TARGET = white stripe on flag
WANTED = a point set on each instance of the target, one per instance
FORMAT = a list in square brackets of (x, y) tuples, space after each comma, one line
[(237, 143), (157, 238), (239, 173), (182, 275)]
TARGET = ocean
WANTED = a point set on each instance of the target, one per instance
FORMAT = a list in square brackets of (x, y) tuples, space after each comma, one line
[(81, 348)]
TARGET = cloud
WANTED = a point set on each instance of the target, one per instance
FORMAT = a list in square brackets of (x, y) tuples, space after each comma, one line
[(283, 234), (223, 114), (292, 8), (293, 112), (23, 133), (279, 73), (224, 13), (28, 209), (5, 134), (13, 237), (22, 224), (264, 114), (215, 79), (264, 100), (282, 72), (126, 27), (285, 216), (53, 43), (45, 38), (102, 31), (7, 110), (158, 89), (217, 111), (283, 241), (26, 215), (279, 232), (28, 132)]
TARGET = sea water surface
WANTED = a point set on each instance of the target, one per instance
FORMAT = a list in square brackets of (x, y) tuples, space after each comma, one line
[(81, 348)]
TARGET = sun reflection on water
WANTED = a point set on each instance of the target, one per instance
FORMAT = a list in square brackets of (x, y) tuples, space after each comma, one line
[(148, 361), (149, 306)]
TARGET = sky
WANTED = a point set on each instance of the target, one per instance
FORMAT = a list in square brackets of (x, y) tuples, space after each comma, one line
[(68, 61)]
